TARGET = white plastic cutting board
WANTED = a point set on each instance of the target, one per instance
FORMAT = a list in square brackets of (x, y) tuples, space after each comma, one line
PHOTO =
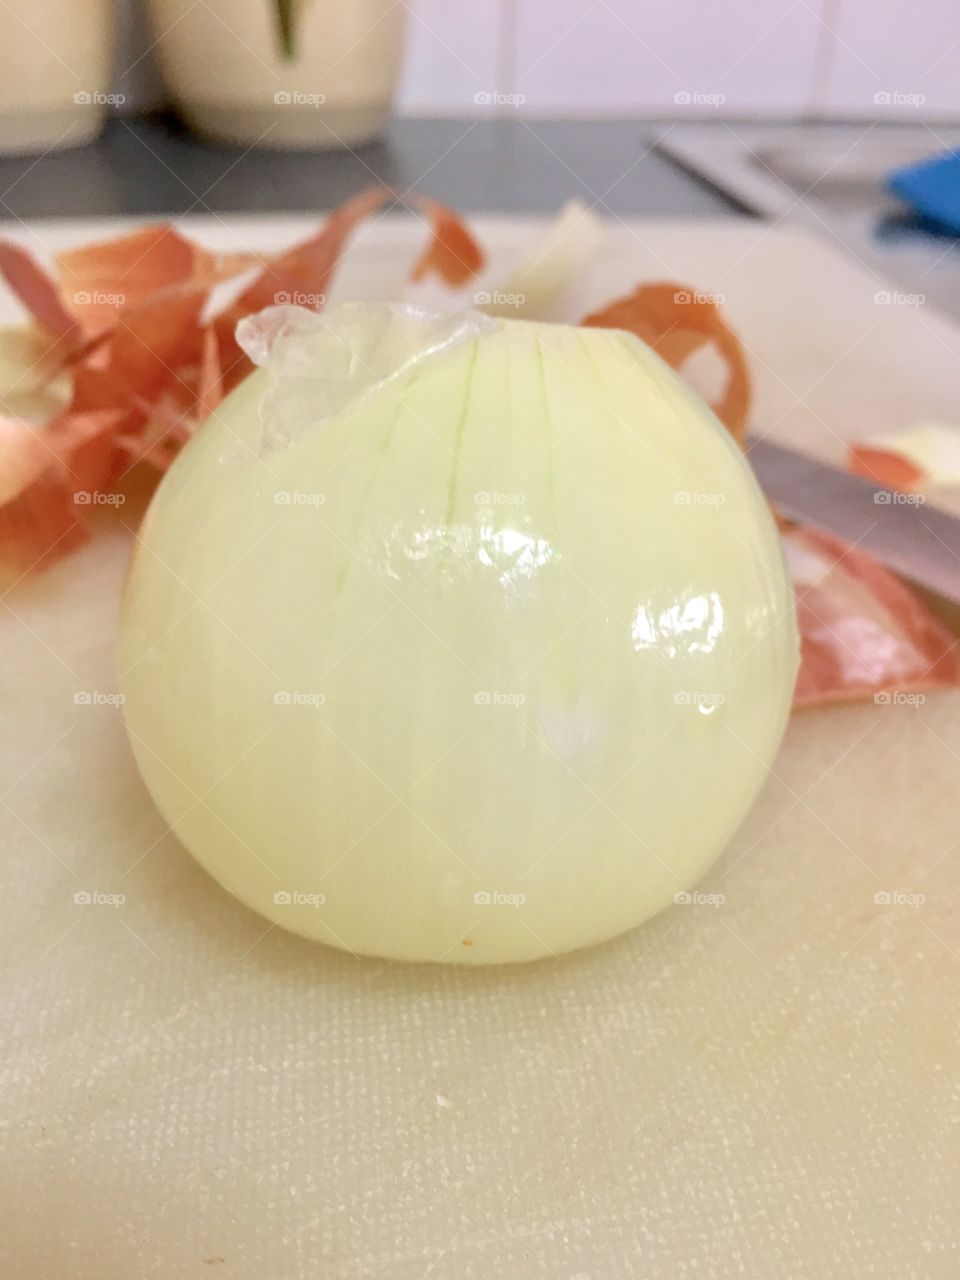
[(765, 1088)]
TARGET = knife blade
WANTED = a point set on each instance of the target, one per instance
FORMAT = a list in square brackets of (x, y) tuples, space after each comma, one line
[(916, 541)]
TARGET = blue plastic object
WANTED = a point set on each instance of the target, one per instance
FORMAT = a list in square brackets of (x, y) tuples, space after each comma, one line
[(932, 188)]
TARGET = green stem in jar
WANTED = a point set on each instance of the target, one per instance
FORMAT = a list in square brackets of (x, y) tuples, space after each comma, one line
[(286, 27)]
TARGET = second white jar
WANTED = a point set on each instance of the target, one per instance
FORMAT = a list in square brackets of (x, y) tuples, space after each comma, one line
[(223, 64)]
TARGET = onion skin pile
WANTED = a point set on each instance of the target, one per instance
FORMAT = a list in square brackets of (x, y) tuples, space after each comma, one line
[(500, 674)]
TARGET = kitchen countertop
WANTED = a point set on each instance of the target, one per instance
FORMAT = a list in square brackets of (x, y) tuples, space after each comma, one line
[(154, 165), (830, 180)]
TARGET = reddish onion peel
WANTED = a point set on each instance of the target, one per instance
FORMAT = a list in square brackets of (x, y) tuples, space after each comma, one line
[(676, 321)]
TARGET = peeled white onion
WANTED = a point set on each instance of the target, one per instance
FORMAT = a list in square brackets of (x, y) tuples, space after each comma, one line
[(456, 639)]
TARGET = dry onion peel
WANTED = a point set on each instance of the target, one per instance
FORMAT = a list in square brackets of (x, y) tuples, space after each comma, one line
[(676, 320), (35, 290), (885, 468), (535, 289), (100, 279), (920, 456), (862, 631), (49, 472), (453, 253), (123, 325)]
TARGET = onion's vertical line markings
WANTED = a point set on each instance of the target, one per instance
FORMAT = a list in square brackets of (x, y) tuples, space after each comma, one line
[(548, 426), (458, 439), (399, 599), (389, 428), (654, 453)]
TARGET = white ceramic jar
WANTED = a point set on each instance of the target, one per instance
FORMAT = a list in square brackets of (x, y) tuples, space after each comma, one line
[(55, 74), (224, 66)]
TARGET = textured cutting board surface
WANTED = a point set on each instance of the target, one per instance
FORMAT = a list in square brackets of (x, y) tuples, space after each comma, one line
[(762, 1083)]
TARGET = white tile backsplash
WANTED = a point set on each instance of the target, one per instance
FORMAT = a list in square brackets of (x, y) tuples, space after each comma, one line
[(697, 57), (452, 57), (684, 58), (896, 59)]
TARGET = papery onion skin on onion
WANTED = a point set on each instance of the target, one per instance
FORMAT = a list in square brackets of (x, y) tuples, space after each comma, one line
[(485, 665)]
